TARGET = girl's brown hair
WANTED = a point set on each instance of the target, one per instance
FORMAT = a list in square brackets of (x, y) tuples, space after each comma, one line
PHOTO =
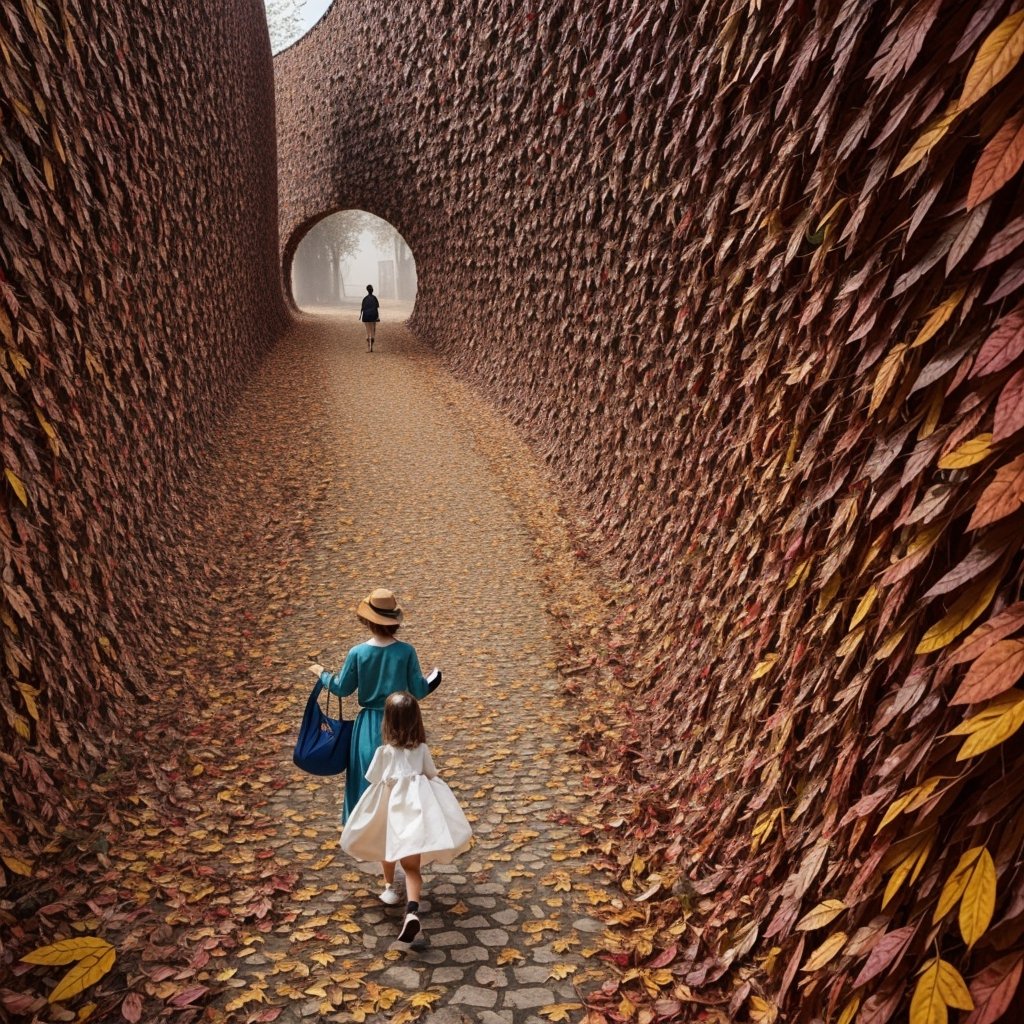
[(403, 724), (377, 629)]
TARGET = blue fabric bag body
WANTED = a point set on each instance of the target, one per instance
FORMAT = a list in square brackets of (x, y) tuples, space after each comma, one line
[(323, 743)]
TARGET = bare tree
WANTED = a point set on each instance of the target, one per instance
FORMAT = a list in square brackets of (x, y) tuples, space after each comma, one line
[(284, 19)]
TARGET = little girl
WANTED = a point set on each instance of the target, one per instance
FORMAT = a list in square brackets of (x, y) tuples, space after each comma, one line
[(408, 815)]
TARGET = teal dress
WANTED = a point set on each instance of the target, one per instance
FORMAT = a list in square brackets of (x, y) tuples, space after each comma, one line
[(373, 673)]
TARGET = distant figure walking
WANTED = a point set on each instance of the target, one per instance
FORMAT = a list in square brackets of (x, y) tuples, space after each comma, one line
[(370, 315)]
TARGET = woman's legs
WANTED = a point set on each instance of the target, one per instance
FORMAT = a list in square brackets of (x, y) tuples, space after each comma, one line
[(389, 871), (371, 332)]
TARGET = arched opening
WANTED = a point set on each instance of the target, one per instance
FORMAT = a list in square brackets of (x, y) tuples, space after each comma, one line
[(340, 254), (290, 20)]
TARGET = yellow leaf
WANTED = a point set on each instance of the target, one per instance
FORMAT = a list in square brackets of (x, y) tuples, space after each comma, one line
[(886, 376), (938, 316), (865, 605), (508, 956), (561, 971), (20, 867), (974, 450), (938, 988), (996, 58), (763, 828), (29, 694), (86, 972), (929, 139), (19, 487), (891, 642), (979, 900), (850, 642), (426, 998), (559, 1011), (67, 951), (994, 724), (849, 1011), (821, 915), (763, 667), (762, 1011), (963, 612), (909, 866), (825, 952), (956, 883)]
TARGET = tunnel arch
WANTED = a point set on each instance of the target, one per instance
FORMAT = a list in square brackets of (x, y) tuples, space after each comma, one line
[(308, 31), (330, 259)]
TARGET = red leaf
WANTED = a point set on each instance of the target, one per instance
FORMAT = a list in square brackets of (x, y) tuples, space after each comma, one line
[(993, 673), (131, 1008), (993, 989), (189, 995), (1009, 416), (889, 949), (1008, 621), (1003, 244), (1003, 345), (1002, 497), (999, 162)]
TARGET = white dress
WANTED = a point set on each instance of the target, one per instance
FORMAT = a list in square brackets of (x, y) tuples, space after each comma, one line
[(407, 810)]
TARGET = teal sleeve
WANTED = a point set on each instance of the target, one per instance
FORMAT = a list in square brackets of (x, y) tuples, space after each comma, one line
[(345, 680), (415, 684)]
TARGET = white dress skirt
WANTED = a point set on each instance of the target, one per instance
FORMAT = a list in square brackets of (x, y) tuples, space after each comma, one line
[(407, 810)]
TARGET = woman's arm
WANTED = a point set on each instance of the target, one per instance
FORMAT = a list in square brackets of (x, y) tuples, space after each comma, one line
[(343, 682)]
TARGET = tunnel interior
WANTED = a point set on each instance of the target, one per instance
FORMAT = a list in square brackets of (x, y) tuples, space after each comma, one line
[(746, 276)]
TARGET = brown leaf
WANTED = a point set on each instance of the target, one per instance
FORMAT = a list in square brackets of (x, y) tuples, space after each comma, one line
[(1009, 415)]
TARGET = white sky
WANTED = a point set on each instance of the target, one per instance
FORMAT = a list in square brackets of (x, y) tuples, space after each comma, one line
[(312, 12)]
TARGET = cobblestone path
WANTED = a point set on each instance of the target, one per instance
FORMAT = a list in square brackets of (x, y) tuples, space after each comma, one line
[(399, 476)]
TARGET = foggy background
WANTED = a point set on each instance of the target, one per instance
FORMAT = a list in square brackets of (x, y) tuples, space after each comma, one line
[(343, 253), (290, 20)]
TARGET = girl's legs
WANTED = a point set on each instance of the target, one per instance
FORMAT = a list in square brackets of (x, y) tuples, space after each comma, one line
[(414, 885), (391, 896), (371, 333), (413, 878)]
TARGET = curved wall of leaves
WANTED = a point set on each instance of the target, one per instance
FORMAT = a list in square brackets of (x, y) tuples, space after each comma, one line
[(138, 285), (781, 245)]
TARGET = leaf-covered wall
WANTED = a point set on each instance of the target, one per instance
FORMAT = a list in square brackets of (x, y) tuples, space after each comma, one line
[(750, 275), (138, 286)]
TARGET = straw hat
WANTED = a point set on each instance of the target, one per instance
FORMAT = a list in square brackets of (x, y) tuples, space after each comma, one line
[(380, 607)]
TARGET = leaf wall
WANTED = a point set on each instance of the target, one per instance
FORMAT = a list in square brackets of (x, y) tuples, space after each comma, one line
[(750, 276), (138, 286)]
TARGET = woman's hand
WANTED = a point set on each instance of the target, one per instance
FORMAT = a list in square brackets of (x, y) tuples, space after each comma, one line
[(317, 670)]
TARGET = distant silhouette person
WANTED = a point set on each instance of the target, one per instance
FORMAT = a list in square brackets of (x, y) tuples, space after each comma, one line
[(370, 315)]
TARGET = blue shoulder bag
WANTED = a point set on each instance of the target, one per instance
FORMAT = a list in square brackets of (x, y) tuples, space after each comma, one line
[(323, 743)]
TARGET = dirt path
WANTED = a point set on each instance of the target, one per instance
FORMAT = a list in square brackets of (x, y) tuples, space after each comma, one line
[(343, 470)]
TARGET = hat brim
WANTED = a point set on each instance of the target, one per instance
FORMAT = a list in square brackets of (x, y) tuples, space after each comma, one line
[(364, 611)]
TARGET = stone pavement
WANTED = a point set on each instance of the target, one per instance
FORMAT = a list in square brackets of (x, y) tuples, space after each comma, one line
[(396, 486)]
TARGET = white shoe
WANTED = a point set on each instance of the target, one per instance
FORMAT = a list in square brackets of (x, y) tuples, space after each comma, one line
[(410, 929), (390, 895)]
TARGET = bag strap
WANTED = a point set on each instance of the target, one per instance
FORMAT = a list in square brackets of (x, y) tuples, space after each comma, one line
[(327, 710)]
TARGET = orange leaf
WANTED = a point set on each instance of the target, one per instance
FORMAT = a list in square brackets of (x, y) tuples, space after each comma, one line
[(999, 668), (999, 162), (1002, 497)]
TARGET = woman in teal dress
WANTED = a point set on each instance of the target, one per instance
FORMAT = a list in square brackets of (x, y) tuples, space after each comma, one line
[(374, 669)]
